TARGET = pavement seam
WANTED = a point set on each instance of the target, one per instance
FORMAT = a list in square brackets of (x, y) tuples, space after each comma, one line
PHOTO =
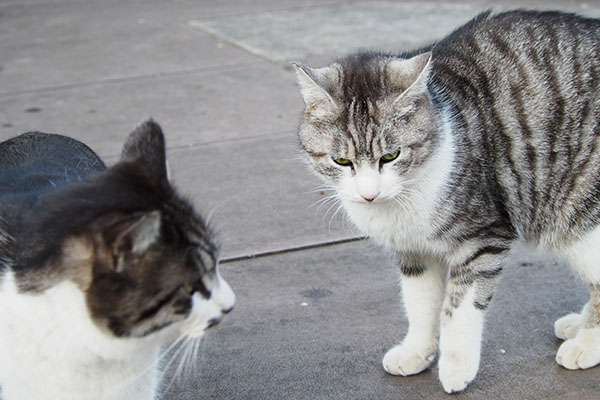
[(288, 250), (114, 157), (133, 78)]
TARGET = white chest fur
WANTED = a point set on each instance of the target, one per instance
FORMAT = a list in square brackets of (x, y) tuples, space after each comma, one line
[(51, 349), (399, 228)]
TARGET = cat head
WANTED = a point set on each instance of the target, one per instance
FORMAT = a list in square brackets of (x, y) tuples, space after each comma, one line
[(144, 259), (368, 123)]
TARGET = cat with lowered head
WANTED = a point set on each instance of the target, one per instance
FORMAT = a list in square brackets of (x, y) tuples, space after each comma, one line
[(450, 154), (99, 267)]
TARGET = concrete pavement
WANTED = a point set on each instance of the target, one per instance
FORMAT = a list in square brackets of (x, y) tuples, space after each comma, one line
[(316, 309)]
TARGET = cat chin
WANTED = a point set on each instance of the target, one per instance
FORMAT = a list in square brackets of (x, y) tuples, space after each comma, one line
[(192, 331), (195, 335)]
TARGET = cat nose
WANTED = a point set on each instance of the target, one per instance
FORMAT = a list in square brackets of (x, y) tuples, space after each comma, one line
[(370, 198), (367, 181)]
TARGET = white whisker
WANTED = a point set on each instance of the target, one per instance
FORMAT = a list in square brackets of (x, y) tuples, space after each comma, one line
[(340, 206), (417, 180), (179, 354), (176, 355), (322, 201), (400, 203), (194, 361), (322, 189), (175, 351), (186, 361), (408, 201), (211, 213), (155, 362), (199, 348), (329, 209)]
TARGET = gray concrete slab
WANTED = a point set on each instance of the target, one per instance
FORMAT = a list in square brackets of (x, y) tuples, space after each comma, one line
[(340, 28), (318, 35), (315, 325), (259, 195), (75, 43), (216, 104), (50, 44)]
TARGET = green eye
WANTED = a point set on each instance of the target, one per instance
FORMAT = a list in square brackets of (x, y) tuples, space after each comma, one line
[(390, 157), (188, 287), (344, 162)]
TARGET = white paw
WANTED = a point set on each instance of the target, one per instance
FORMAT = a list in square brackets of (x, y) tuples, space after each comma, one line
[(457, 371), (402, 360), (581, 352), (568, 326)]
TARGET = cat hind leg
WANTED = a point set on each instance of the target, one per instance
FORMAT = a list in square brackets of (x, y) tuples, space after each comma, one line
[(468, 294), (581, 350), (460, 343)]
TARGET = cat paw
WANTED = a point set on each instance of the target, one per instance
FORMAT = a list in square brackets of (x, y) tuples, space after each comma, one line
[(581, 352), (456, 372), (401, 360), (568, 326)]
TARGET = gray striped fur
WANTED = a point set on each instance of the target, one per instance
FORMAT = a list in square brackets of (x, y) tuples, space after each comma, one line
[(518, 93)]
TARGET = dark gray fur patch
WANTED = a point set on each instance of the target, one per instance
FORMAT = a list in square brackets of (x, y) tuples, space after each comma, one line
[(147, 249), (524, 87), (412, 271)]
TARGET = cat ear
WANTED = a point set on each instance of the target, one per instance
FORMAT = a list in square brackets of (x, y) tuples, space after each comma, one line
[(317, 99), (132, 236), (409, 77), (145, 147)]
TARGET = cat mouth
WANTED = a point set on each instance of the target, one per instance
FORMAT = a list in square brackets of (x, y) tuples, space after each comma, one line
[(212, 323), (376, 200), (195, 330), (217, 320)]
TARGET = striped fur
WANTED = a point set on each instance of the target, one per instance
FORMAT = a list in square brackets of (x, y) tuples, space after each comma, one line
[(494, 135)]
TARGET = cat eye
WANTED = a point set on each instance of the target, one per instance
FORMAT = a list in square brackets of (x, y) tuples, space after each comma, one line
[(188, 287), (344, 162), (386, 158)]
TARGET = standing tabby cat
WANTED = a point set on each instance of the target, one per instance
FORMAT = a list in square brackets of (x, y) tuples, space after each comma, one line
[(98, 268), (450, 154)]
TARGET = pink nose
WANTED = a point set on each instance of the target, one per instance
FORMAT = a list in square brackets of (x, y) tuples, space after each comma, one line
[(370, 198)]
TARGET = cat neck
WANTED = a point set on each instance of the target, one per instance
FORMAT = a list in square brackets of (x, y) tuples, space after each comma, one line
[(57, 341)]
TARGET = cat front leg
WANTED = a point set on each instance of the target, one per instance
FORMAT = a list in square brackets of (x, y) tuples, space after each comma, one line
[(469, 291), (422, 288)]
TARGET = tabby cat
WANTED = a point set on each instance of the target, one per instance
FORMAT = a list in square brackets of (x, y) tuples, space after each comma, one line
[(98, 268), (450, 154)]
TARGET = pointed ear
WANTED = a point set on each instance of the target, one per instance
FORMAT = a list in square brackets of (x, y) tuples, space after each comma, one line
[(409, 77), (132, 236), (312, 82), (145, 146)]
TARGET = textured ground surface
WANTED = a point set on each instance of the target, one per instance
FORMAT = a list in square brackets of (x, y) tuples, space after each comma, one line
[(316, 311)]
